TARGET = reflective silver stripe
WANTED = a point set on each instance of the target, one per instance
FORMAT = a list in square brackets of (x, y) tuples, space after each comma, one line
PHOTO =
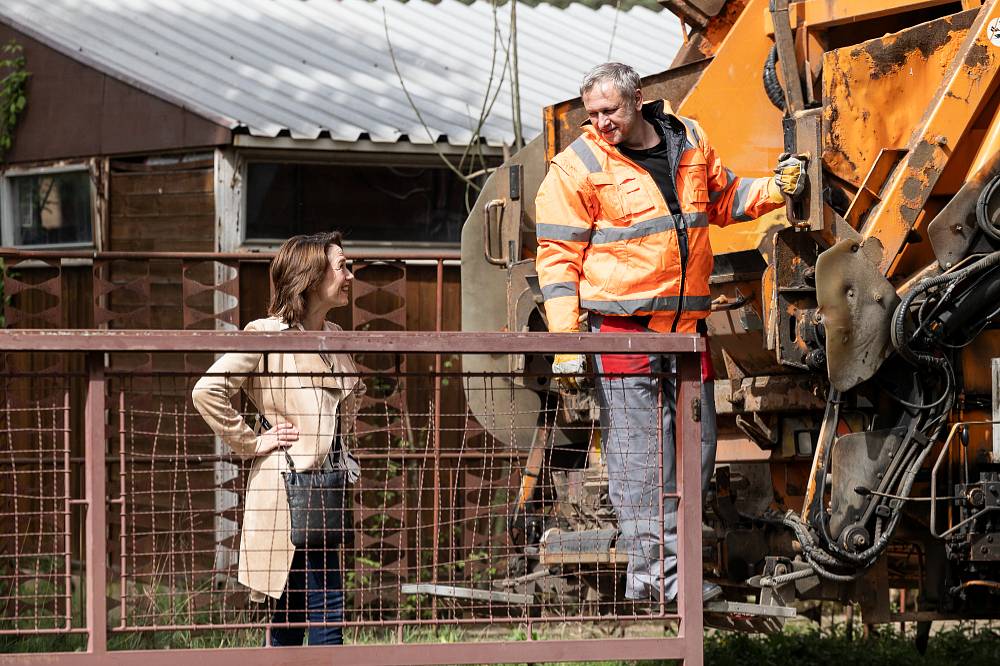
[(562, 232), (658, 304), (647, 228), (689, 124), (730, 180), (740, 201), (558, 289), (586, 155)]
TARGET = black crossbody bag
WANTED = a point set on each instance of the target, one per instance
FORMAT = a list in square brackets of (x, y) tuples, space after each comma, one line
[(317, 505), (317, 502)]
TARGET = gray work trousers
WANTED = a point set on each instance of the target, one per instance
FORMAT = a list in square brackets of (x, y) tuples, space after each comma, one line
[(631, 445)]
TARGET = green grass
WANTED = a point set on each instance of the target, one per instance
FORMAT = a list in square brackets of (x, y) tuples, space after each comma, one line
[(960, 645), (801, 644)]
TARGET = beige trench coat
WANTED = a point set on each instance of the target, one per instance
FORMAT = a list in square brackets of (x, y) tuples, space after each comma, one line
[(308, 402)]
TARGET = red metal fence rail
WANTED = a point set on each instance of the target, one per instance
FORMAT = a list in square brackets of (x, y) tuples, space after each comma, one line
[(120, 528)]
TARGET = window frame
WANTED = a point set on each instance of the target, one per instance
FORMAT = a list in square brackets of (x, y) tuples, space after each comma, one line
[(385, 160), (7, 205)]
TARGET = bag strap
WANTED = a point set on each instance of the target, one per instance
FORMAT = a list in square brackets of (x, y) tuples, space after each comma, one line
[(334, 445)]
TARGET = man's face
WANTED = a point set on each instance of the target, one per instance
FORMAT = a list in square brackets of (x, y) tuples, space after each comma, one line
[(615, 118)]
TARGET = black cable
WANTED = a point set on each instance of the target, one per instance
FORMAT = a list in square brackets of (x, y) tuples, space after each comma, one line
[(895, 398), (982, 204), (899, 317)]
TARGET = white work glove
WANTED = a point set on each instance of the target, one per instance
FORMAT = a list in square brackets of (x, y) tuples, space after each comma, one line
[(567, 367), (789, 178)]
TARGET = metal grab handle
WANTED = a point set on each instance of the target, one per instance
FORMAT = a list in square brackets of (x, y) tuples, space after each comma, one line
[(791, 204), (495, 204)]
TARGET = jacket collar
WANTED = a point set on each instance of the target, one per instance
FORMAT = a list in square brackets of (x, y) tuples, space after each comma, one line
[(284, 325), (323, 372)]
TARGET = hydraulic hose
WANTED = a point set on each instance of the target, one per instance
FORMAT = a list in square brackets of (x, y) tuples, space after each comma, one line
[(898, 330), (772, 86), (982, 214), (817, 558)]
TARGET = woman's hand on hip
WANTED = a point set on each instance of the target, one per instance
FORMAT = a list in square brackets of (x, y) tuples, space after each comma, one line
[(280, 436)]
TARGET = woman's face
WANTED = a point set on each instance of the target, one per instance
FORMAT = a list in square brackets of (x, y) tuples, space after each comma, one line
[(335, 287)]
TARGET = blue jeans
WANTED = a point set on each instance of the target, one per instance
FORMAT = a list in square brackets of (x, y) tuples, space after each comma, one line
[(313, 593)]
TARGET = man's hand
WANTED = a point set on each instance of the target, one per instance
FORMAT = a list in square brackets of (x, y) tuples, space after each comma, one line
[(280, 436), (789, 178), (567, 367)]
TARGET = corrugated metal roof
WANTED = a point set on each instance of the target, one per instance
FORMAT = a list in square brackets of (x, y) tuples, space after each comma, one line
[(323, 67)]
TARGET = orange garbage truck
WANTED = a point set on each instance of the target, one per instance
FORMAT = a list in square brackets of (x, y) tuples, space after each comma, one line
[(854, 332)]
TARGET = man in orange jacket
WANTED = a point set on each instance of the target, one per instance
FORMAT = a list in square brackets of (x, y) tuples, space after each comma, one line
[(622, 223)]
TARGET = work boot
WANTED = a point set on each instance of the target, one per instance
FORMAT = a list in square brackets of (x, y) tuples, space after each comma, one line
[(710, 591)]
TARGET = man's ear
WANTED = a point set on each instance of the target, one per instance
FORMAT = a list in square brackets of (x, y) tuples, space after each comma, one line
[(638, 99)]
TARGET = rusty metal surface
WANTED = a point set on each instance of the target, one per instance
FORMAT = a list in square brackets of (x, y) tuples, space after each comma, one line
[(40, 293), (898, 75), (436, 653), (826, 14), (262, 256), (416, 342), (794, 299), (954, 232), (856, 304), (948, 118), (704, 42), (440, 490), (36, 548), (858, 458), (787, 60), (807, 212), (190, 290), (379, 304)]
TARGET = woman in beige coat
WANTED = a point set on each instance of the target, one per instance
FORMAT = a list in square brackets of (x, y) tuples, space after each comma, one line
[(302, 395)]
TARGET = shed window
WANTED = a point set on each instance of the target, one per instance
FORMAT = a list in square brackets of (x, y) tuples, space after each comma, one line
[(370, 204), (48, 208)]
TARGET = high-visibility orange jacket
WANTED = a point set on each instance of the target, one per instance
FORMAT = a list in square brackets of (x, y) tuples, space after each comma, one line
[(607, 242)]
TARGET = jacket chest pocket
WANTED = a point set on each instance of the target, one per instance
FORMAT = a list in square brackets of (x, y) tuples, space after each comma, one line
[(609, 197), (692, 180), (637, 198)]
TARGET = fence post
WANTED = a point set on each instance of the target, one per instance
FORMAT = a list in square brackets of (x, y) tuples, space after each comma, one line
[(95, 483), (688, 443)]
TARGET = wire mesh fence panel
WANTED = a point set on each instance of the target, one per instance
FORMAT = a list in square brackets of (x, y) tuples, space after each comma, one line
[(457, 504), (37, 584), (447, 522)]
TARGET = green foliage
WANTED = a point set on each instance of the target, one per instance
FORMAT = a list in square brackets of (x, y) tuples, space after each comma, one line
[(954, 645), (12, 92)]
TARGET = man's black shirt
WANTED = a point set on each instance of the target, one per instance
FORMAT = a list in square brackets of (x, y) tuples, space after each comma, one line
[(656, 162)]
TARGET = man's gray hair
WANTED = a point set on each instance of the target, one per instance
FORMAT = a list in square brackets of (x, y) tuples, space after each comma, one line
[(622, 77)]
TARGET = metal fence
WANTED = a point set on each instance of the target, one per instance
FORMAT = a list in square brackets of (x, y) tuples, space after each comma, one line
[(475, 540)]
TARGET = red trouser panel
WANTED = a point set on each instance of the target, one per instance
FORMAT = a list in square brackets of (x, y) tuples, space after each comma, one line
[(624, 364), (707, 369), (634, 364)]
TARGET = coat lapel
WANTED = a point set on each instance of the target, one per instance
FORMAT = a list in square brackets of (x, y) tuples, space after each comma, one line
[(315, 373)]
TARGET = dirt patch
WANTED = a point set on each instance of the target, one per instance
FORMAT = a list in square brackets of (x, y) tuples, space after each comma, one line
[(978, 56), (890, 53)]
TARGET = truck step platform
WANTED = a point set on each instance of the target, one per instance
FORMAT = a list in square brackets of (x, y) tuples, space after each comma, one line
[(747, 617)]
